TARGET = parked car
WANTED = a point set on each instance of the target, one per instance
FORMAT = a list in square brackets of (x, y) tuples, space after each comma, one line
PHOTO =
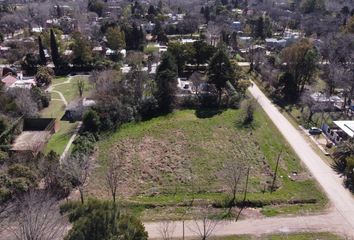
[(315, 131)]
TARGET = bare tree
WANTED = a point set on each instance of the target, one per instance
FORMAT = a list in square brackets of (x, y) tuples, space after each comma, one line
[(78, 167), (197, 79), (205, 226), (114, 175), (81, 86), (166, 229), (36, 217), (232, 174)]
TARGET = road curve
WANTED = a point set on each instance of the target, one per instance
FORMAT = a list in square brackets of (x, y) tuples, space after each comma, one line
[(339, 220)]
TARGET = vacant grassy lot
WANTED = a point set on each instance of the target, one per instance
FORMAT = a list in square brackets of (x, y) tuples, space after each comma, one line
[(297, 236), (170, 160)]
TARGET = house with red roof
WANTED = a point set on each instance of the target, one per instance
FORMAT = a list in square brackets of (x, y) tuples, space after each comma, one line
[(9, 80)]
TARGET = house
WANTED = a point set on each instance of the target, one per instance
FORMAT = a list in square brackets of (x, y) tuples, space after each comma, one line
[(37, 30), (75, 110), (273, 43), (237, 25), (9, 81), (188, 40), (148, 27)]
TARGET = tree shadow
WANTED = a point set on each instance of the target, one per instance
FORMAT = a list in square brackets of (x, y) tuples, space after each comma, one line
[(208, 112)]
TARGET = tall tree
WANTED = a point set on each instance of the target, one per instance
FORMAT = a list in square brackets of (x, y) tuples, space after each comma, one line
[(115, 38), (54, 49), (166, 84), (82, 49), (42, 59), (301, 62), (78, 167), (220, 71)]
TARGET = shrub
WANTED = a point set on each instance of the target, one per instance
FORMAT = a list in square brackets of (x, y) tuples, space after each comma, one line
[(248, 108), (148, 108), (44, 76), (102, 220), (91, 121)]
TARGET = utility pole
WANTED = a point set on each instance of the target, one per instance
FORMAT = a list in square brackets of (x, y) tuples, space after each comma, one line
[(276, 171)]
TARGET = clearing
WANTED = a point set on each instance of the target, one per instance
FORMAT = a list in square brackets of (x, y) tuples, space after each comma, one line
[(166, 157)]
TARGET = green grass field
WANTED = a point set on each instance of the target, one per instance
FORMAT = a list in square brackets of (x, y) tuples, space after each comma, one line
[(168, 156), (297, 236)]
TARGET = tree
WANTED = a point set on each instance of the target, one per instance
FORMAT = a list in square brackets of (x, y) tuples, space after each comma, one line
[(54, 50), (114, 175), (102, 220), (182, 53), (115, 38), (96, 6), (81, 86), (204, 227), (301, 62), (82, 50), (248, 108), (203, 52), (232, 175), (91, 121), (36, 216), (159, 33), (310, 6), (44, 76), (78, 167), (220, 72), (167, 229), (166, 84), (55, 179), (42, 58)]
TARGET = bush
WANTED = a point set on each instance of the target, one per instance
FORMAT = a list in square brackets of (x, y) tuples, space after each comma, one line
[(102, 220), (248, 108), (84, 144), (148, 108), (3, 157), (91, 121), (41, 97), (44, 76)]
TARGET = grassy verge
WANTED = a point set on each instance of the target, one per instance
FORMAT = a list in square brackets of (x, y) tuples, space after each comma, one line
[(168, 156)]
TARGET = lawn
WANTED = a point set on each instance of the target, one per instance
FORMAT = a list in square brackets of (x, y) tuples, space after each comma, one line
[(56, 110), (297, 236), (166, 157)]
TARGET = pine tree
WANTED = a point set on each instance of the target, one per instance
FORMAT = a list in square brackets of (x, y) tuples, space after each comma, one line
[(220, 71), (42, 59), (166, 77)]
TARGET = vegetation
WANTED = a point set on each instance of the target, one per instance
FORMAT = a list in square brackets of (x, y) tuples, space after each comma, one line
[(102, 220), (188, 152)]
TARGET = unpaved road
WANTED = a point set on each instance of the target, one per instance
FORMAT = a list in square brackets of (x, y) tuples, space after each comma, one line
[(339, 220)]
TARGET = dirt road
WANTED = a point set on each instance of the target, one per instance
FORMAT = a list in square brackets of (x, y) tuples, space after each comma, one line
[(339, 220)]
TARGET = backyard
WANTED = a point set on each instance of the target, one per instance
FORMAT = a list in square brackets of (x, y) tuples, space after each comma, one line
[(173, 160), (68, 87)]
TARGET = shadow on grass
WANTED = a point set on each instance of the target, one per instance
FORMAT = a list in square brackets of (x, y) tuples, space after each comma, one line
[(208, 112)]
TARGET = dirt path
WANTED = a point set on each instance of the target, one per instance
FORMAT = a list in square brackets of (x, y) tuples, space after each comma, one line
[(331, 222), (68, 145), (339, 220)]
